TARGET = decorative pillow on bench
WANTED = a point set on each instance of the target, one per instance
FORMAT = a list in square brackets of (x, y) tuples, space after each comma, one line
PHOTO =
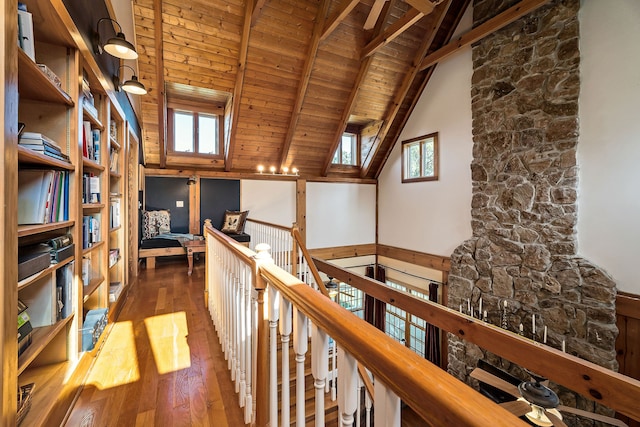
[(155, 222), (234, 222)]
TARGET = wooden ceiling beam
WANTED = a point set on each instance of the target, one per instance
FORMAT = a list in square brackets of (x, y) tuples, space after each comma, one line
[(364, 68), (394, 30), (374, 14), (257, 11), (161, 95), (407, 81), (492, 25), (321, 16), (424, 6), (332, 23), (237, 91)]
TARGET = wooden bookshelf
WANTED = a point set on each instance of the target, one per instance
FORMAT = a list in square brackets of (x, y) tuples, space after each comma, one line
[(41, 337), (35, 85)]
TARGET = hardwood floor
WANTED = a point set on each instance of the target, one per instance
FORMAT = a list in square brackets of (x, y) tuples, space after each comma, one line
[(161, 363)]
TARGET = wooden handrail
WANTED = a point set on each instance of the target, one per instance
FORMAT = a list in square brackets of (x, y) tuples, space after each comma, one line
[(439, 398), (609, 388), (280, 227)]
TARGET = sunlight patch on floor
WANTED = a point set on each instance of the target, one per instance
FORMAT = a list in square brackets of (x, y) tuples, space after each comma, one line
[(117, 362), (168, 337)]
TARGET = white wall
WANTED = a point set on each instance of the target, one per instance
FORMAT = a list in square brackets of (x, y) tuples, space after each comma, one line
[(434, 216), (270, 201), (609, 143), (340, 214)]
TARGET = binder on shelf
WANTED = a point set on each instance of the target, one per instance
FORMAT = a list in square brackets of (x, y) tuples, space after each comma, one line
[(25, 34), (33, 190), (32, 260), (64, 290)]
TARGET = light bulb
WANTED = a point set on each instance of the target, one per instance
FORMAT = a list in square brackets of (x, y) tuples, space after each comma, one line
[(285, 170), (272, 169), (294, 171), (260, 168)]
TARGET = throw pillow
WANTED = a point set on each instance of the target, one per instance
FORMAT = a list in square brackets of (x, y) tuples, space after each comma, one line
[(155, 222), (234, 222)]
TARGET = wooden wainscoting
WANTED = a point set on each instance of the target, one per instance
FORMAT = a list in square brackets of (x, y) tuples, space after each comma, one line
[(628, 342)]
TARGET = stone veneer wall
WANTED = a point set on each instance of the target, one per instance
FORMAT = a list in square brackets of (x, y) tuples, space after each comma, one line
[(525, 90)]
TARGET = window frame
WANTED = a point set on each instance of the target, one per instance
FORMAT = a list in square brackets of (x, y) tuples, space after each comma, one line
[(196, 111), (356, 154), (405, 159)]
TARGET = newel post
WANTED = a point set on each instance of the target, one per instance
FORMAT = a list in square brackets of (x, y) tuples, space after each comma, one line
[(262, 351)]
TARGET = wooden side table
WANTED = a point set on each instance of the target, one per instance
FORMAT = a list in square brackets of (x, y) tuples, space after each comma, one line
[(194, 247)]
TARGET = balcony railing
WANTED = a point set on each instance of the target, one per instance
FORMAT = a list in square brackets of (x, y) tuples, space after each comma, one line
[(254, 302)]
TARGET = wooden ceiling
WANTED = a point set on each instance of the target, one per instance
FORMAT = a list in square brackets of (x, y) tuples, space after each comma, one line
[(293, 74)]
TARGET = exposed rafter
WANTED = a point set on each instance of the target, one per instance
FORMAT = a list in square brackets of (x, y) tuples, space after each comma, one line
[(237, 92), (394, 30), (332, 23), (374, 14), (492, 25), (424, 6), (304, 81), (364, 68), (161, 96), (257, 11), (405, 86)]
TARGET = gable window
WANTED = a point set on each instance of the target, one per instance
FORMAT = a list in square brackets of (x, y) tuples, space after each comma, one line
[(193, 132), (347, 151), (420, 158)]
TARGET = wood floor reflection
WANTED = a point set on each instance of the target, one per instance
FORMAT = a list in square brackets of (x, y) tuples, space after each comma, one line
[(161, 363)]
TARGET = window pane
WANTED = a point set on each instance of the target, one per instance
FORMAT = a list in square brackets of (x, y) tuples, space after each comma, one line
[(428, 165), (207, 134), (183, 131), (413, 161), (336, 156), (347, 153)]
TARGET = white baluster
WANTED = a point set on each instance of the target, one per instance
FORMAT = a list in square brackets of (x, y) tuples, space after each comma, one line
[(286, 314), (358, 408), (334, 371), (347, 387), (367, 406), (319, 368), (300, 346), (387, 406), (274, 315), (242, 329)]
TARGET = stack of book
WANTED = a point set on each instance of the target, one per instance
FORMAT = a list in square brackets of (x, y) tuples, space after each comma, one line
[(40, 143), (87, 98), (90, 142), (90, 188)]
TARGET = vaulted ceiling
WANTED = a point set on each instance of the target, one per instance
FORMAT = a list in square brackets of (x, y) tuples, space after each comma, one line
[(293, 74)]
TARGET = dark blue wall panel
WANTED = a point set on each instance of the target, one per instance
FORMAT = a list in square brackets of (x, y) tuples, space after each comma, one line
[(162, 193)]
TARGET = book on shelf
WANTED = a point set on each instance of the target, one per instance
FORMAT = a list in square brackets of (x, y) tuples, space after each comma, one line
[(113, 160), (64, 290), (25, 328), (86, 271), (35, 138), (43, 196), (114, 214), (26, 40), (95, 137), (114, 254), (115, 289), (90, 230), (90, 188)]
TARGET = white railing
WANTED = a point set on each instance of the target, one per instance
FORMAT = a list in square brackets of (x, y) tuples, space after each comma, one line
[(252, 301), (279, 239)]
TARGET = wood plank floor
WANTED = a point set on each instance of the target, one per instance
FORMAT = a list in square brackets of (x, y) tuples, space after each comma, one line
[(161, 363)]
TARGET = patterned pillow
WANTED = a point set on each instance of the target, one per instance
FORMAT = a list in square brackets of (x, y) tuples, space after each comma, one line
[(234, 222), (155, 222)]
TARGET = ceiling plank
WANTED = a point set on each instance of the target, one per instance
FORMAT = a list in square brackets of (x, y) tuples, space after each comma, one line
[(409, 77), (257, 11), (161, 96), (237, 92), (394, 30), (492, 25), (332, 23), (357, 85), (374, 13), (304, 81)]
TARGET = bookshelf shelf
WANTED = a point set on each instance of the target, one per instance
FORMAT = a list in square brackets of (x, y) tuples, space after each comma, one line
[(24, 283), (48, 380), (114, 143), (87, 251), (34, 84), (90, 164), (41, 337), (92, 206), (88, 115), (26, 155), (114, 229), (31, 229), (115, 175), (88, 290)]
